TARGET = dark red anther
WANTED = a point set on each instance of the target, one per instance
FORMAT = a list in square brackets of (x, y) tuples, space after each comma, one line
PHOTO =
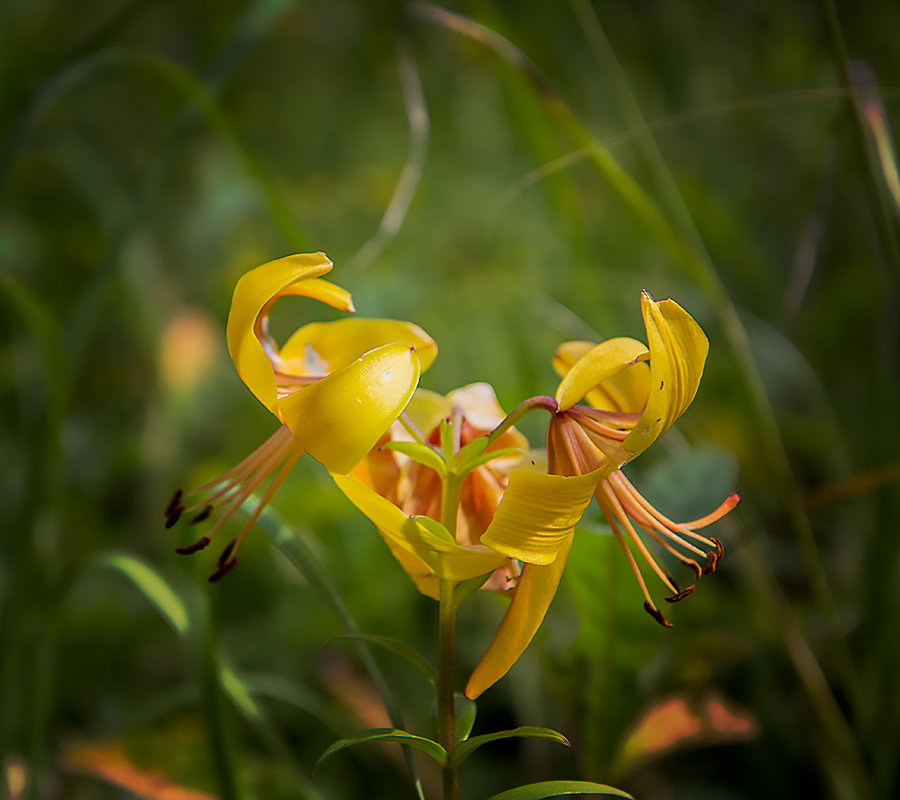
[(674, 598), (223, 570), (656, 614), (174, 515), (203, 515), (173, 503), (226, 553), (193, 548)]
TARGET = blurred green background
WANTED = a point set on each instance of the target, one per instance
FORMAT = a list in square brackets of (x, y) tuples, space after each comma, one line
[(506, 194)]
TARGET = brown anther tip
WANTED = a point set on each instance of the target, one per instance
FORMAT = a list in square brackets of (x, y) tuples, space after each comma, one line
[(203, 515), (656, 614), (672, 581), (720, 548), (173, 503), (193, 548), (174, 515), (696, 567), (226, 553), (223, 570), (674, 598), (710, 567)]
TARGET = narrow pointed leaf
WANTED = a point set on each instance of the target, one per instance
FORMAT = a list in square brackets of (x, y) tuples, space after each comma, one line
[(466, 711), (429, 746), (463, 751), (471, 451), (154, 588), (420, 453), (465, 589), (539, 791), (398, 648)]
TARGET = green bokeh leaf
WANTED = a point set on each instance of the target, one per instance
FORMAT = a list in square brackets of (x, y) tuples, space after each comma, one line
[(464, 750), (538, 791), (429, 746), (154, 588)]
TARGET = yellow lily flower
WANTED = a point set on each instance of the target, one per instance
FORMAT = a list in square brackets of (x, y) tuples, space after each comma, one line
[(514, 525), (635, 394), (336, 387), (415, 489)]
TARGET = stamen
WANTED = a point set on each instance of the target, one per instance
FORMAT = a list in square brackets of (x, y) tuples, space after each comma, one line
[(619, 418), (203, 515), (710, 566), (613, 500), (598, 428), (173, 503), (730, 502), (193, 548), (614, 526), (682, 594), (720, 548), (174, 515), (653, 527), (222, 571), (240, 491), (226, 553), (671, 527), (654, 612)]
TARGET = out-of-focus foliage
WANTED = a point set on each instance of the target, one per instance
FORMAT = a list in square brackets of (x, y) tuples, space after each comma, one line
[(151, 152)]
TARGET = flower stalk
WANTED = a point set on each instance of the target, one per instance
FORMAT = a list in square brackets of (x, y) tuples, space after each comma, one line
[(446, 699)]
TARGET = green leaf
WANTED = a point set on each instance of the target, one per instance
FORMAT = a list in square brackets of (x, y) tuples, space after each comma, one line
[(464, 750), (434, 527), (538, 791), (471, 451), (465, 589), (153, 587), (239, 691), (447, 440), (429, 746), (420, 453), (465, 711), (398, 648)]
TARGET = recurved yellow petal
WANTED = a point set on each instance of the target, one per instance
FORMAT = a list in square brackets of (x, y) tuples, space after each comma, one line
[(597, 365), (253, 295), (678, 349), (533, 594), (338, 419), (324, 291), (568, 354), (537, 515), (443, 557), (323, 347)]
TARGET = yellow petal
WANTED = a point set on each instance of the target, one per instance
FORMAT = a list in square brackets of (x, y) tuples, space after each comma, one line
[(253, 295), (533, 594), (599, 364), (626, 392), (678, 349), (318, 289), (537, 514), (426, 410), (323, 347), (443, 557), (338, 419), (568, 354)]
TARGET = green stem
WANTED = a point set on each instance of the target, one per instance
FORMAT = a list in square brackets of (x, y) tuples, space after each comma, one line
[(446, 701)]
